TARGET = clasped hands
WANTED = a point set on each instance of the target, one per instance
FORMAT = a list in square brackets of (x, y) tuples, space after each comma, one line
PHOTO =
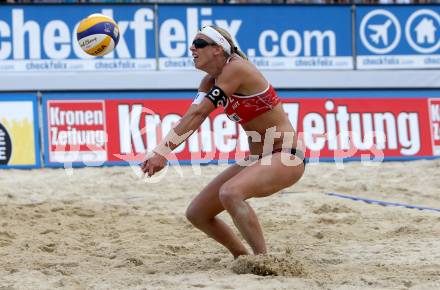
[(155, 162)]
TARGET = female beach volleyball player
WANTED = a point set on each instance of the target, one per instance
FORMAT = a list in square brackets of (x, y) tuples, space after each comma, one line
[(235, 83)]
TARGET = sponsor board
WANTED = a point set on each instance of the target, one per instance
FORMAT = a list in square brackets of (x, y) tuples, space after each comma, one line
[(32, 41), (142, 123), (76, 131), (301, 38), (160, 36), (434, 118), (19, 139), (332, 126), (398, 37), (5, 146), (363, 128)]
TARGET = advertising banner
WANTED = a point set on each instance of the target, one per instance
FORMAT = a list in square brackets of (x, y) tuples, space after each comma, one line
[(301, 37), (394, 37), (120, 128), (273, 37), (19, 138), (363, 128), (434, 110), (76, 130), (42, 38)]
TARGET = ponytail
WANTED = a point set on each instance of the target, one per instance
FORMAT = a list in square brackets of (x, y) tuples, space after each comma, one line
[(228, 37), (239, 52)]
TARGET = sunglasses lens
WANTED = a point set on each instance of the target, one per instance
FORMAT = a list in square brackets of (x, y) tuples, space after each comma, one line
[(200, 43)]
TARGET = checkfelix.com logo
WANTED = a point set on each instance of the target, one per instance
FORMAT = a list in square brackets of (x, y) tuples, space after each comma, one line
[(380, 31)]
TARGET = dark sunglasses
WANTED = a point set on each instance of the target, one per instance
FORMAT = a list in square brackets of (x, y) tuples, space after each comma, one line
[(201, 43)]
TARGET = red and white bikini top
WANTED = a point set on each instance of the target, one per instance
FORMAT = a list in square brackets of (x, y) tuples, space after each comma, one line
[(242, 109)]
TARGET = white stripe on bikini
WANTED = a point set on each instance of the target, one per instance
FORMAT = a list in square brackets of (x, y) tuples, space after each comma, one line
[(254, 95)]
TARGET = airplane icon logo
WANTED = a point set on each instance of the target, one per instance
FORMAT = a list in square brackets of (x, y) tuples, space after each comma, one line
[(380, 31)]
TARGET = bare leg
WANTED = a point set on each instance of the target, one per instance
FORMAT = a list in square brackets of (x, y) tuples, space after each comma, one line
[(247, 223), (222, 233), (257, 180), (206, 206)]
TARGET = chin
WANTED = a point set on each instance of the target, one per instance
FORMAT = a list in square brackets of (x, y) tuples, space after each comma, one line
[(198, 66)]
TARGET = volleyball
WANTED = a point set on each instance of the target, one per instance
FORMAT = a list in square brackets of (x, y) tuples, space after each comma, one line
[(97, 34)]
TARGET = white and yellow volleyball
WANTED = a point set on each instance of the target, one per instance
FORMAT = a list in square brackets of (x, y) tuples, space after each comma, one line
[(97, 34)]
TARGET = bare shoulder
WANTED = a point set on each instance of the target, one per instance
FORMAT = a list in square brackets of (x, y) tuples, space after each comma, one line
[(237, 67), (243, 76)]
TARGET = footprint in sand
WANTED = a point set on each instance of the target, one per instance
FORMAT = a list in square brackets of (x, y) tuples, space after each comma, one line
[(403, 231), (337, 208), (128, 262), (82, 212), (6, 238), (48, 248), (268, 265)]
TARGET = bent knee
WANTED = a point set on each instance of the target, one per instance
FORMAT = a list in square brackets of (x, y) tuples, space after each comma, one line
[(195, 215), (229, 194), (191, 214)]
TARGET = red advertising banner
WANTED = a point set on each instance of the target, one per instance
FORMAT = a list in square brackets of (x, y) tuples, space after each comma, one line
[(76, 131), (434, 118), (372, 128), (123, 130), (330, 128), (140, 124)]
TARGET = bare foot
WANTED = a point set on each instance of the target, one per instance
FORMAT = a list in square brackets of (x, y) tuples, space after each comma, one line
[(240, 254)]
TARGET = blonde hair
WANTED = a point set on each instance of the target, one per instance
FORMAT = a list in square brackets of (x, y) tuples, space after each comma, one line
[(228, 37)]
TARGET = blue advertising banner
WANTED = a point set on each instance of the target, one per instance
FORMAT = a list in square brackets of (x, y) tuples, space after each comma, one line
[(398, 37), (287, 37), (43, 39), (273, 37), (19, 138)]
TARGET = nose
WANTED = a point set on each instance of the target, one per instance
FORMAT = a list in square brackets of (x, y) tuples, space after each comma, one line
[(192, 47)]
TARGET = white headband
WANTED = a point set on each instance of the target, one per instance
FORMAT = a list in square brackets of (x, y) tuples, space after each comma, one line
[(217, 38)]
